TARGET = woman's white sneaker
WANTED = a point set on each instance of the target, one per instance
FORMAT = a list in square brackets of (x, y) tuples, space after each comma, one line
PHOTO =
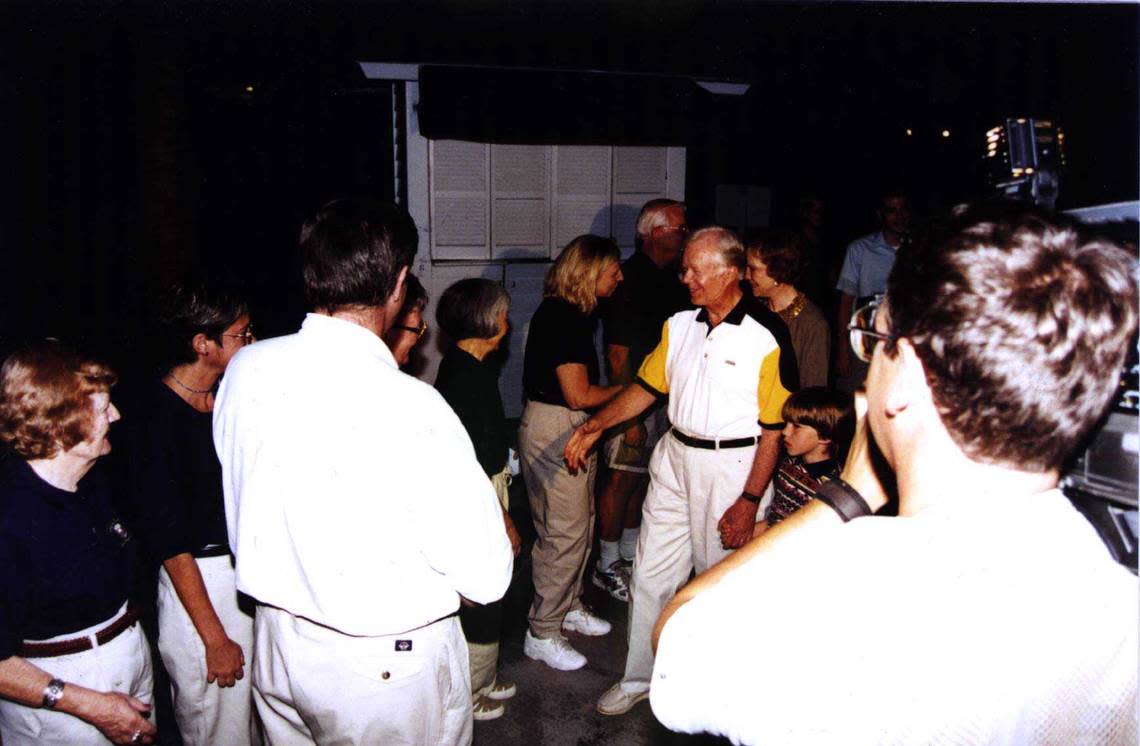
[(553, 651), (585, 623)]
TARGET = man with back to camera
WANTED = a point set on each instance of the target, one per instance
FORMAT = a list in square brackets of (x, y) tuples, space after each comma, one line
[(988, 611), (650, 293), (356, 545), (727, 367), (866, 265)]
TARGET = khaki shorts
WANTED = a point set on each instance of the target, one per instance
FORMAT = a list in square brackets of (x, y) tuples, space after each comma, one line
[(624, 457)]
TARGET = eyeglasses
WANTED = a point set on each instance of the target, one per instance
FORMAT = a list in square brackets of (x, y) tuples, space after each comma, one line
[(419, 331), (671, 229), (245, 335), (863, 332)]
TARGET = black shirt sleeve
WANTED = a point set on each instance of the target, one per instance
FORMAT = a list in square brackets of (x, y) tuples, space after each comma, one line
[(789, 368), (559, 334), (174, 479)]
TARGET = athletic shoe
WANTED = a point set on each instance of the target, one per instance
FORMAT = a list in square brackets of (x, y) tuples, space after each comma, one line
[(617, 701), (553, 651), (585, 623), (501, 690), (612, 581), (487, 709)]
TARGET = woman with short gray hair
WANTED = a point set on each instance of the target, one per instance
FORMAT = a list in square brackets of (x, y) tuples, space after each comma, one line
[(473, 313)]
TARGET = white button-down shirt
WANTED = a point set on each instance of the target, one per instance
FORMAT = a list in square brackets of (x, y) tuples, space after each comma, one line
[(984, 622), (353, 496)]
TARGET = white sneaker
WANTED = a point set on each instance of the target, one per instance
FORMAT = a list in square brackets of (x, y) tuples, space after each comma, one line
[(553, 651), (617, 701), (585, 623)]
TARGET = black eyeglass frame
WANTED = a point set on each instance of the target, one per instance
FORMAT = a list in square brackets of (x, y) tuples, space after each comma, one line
[(857, 331), (419, 331)]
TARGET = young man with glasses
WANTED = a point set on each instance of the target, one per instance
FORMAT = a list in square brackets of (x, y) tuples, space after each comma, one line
[(988, 611), (866, 265)]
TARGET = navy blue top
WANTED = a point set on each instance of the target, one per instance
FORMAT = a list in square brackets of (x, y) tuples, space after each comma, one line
[(559, 333), (175, 479), (66, 558)]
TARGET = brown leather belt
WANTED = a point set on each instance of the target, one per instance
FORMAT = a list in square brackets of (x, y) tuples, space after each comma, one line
[(79, 644)]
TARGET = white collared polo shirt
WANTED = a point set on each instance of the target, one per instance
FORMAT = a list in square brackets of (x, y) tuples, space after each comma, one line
[(723, 382)]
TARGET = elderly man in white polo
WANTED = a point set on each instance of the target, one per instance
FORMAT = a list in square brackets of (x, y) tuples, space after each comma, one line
[(727, 367)]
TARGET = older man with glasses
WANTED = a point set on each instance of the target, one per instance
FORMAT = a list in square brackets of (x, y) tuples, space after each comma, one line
[(727, 368), (649, 294)]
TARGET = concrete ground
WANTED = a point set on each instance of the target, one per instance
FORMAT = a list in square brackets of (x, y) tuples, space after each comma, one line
[(556, 708)]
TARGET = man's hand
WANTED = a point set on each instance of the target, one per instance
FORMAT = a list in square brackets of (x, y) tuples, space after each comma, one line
[(224, 662), (737, 523), (578, 447), (119, 717)]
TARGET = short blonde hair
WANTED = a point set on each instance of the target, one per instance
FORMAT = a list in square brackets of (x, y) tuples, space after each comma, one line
[(44, 398), (574, 276)]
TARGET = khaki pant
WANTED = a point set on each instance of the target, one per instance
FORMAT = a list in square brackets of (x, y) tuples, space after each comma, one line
[(484, 656), (206, 713), (314, 685), (689, 490), (563, 508), (122, 665)]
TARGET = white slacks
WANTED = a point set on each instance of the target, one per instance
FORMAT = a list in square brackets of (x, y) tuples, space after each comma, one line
[(206, 714), (689, 490), (122, 665), (314, 685)]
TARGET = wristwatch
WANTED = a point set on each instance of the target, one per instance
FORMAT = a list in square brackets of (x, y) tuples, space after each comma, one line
[(53, 693), (754, 499)]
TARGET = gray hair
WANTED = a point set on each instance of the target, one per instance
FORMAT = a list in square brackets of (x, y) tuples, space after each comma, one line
[(726, 242), (470, 308), (652, 215)]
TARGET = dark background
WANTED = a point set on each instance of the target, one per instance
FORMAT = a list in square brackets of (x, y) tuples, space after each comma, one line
[(136, 153)]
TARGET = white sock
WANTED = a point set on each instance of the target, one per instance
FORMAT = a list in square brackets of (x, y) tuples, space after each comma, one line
[(609, 554), (629, 543)]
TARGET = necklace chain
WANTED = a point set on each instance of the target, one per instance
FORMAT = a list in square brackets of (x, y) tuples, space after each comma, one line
[(192, 391), (793, 309)]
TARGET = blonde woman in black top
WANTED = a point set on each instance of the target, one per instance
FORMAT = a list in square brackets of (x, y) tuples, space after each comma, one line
[(561, 382)]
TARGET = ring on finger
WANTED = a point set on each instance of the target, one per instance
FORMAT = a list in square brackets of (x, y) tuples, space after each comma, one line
[(137, 737)]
